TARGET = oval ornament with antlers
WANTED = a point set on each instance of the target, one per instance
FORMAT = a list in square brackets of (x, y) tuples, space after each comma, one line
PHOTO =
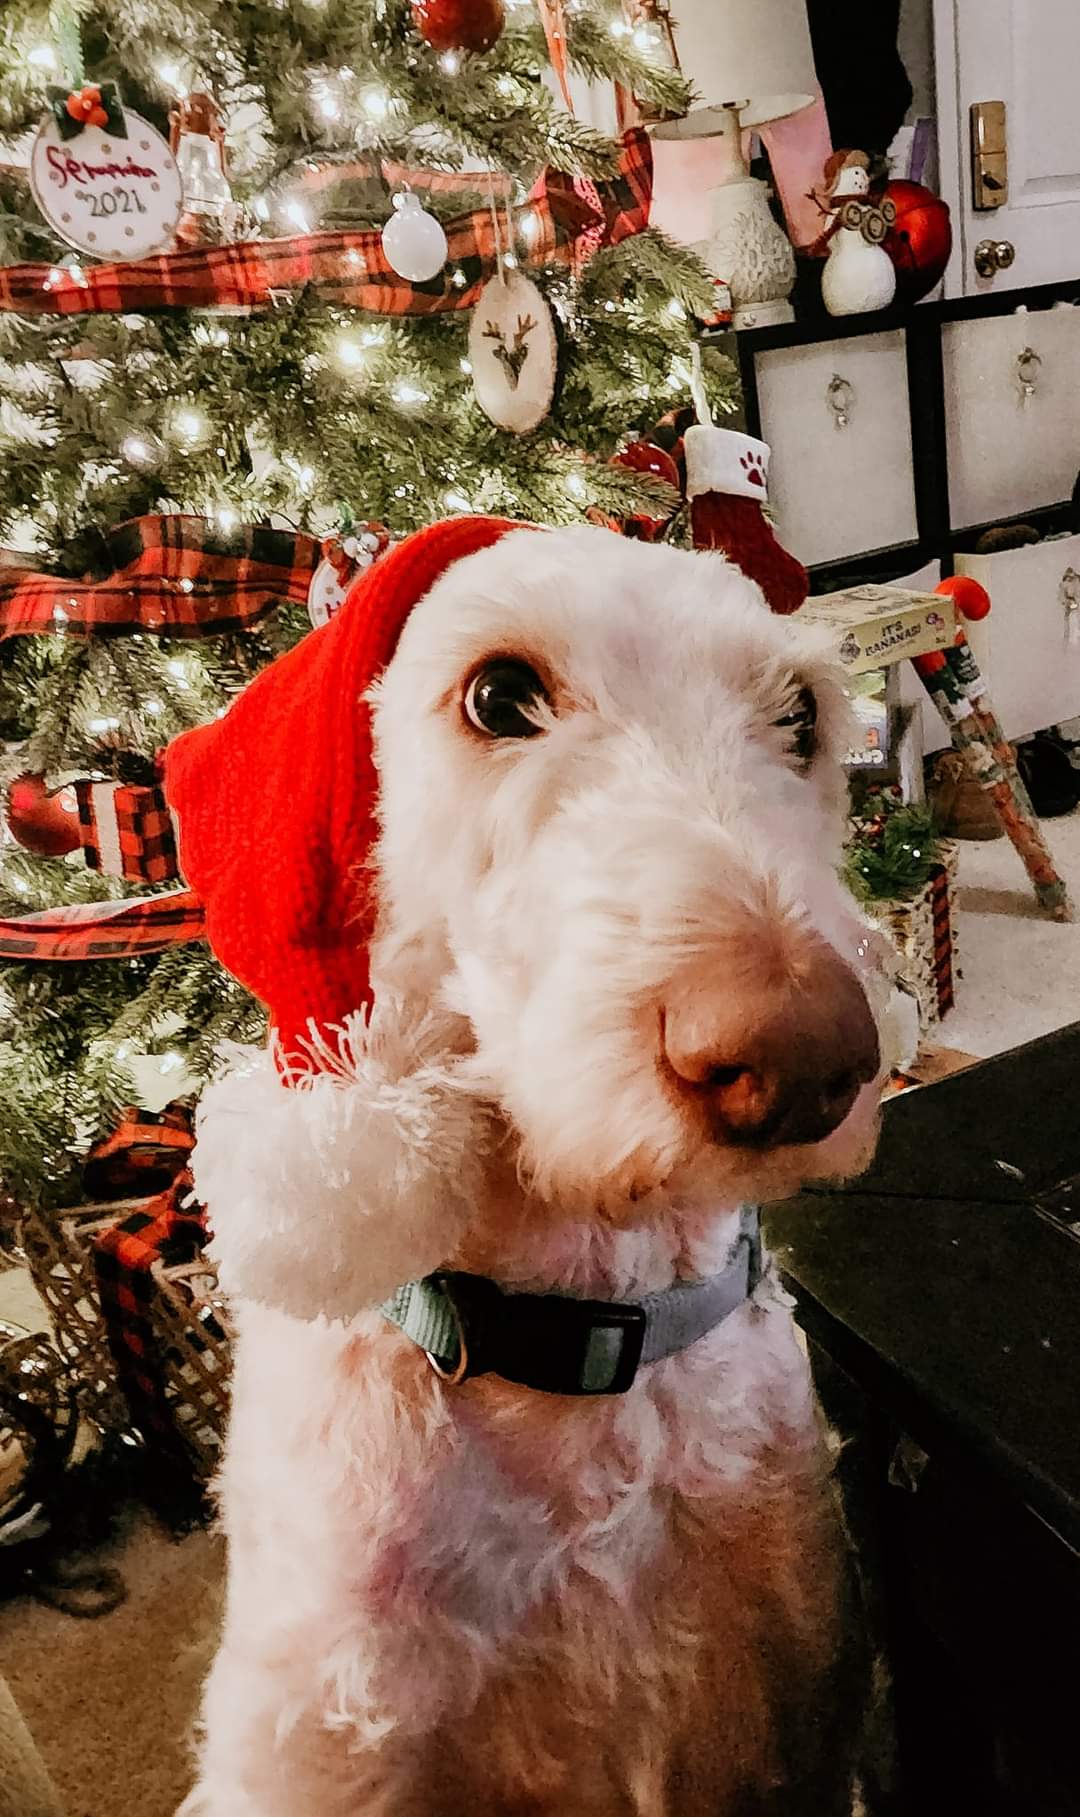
[(513, 353)]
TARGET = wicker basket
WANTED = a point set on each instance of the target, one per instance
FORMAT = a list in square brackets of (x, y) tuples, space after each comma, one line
[(190, 1322), (58, 1248), (196, 1342)]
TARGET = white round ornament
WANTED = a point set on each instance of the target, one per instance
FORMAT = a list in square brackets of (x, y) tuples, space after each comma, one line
[(331, 581), (326, 594), (413, 240), (513, 353), (116, 198)]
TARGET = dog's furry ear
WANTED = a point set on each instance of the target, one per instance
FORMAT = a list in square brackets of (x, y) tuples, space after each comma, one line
[(327, 1192)]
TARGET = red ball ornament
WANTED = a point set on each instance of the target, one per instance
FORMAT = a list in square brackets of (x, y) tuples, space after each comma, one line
[(468, 25), (45, 823), (920, 239), (646, 457), (972, 599)]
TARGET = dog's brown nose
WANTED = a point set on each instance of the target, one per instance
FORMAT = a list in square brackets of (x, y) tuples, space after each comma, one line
[(776, 1055)]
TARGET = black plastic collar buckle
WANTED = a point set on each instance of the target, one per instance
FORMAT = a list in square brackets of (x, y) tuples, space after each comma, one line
[(543, 1341), (609, 1341)]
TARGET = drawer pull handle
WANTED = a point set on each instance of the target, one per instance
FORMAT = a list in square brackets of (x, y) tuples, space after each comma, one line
[(1028, 370), (840, 397)]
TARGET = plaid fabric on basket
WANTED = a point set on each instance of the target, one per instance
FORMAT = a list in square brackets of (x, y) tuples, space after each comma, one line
[(125, 1256), (347, 268), (144, 1153), (126, 830), (176, 576)]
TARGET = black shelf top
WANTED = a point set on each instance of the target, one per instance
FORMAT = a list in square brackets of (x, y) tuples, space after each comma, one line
[(824, 327), (935, 1282)]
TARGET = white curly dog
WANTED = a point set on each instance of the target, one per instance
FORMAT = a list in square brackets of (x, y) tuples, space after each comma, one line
[(621, 994)]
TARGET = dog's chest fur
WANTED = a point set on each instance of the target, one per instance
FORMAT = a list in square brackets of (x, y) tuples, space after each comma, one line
[(508, 1591)]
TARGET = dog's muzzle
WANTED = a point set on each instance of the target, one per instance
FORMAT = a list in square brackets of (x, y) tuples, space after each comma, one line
[(781, 1060)]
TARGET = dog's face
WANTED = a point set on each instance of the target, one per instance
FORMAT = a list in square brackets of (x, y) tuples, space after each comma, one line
[(611, 794)]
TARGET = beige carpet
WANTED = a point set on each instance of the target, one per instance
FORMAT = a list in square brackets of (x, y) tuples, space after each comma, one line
[(1020, 972), (110, 1702)]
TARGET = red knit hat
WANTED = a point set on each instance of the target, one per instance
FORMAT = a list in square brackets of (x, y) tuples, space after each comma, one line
[(275, 801)]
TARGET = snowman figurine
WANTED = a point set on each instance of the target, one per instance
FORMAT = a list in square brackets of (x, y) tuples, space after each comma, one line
[(859, 274)]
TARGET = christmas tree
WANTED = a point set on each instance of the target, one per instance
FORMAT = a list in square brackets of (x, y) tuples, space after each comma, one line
[(192, 444)]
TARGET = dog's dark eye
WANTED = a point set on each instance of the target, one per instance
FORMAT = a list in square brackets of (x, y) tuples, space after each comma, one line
[(500, 698), (801, 722)]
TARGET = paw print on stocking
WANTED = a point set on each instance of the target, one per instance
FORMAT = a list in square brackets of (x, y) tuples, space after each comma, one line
[(753, 466)]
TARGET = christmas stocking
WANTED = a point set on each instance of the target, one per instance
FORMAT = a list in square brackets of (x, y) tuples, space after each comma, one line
[(726, 477)]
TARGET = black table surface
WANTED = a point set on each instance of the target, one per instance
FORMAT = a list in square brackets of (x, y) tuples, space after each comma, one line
[(936, 1283)]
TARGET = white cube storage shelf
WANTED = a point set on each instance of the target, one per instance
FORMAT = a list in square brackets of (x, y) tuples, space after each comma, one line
[(1025, 651), (1011, 449), (894, 445), (1024, 648), (839, 490)]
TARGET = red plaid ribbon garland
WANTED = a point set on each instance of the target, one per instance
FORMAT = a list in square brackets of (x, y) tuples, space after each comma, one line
[(126, 830), (591, 238), (347, 268), (105, 930), (169, 1229), (177, 576)]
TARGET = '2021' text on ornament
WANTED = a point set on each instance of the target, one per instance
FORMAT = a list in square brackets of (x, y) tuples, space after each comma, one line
[(117, 198)]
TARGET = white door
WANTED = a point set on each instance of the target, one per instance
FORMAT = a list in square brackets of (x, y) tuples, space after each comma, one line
[(1025, 53)]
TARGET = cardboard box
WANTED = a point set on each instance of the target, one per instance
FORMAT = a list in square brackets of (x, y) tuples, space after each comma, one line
[(931, 1066), (869, 697), (874, 626)]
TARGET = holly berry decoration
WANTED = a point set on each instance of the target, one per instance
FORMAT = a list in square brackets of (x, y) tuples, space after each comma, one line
[(646, 457), (972, 599), (344, 558), (465, 25), (40, 822), (919, 241), (84, 106)]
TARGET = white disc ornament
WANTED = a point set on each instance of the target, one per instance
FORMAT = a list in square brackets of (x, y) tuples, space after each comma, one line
[(413, 240), (513, 353), (116, 198), (326, 594), (331, 580)]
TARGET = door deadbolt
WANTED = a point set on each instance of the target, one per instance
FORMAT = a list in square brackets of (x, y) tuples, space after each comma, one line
[(989, 155)]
